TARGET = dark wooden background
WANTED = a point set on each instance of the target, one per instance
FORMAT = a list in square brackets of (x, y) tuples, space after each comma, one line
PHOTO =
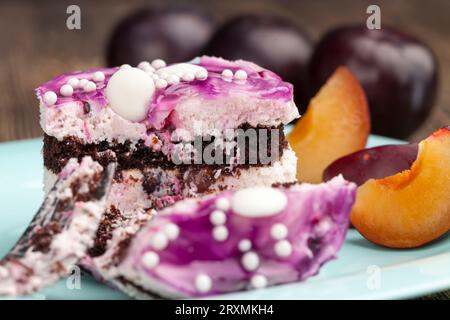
[(35, 44)]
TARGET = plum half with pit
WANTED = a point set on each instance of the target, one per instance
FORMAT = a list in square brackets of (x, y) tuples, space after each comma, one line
[(272, 42), (173, 34), (373, 163), (397, 71)]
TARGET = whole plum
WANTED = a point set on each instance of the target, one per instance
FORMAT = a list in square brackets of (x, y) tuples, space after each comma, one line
[(173, 34), (272, 42), (397, 71)]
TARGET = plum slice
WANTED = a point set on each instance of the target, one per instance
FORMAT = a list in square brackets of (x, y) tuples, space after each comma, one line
[(373, 163), (410, 208), (336, 123)]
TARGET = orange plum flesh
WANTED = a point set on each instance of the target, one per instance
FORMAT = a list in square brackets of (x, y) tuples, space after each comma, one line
[(410, 208), (336, 123)]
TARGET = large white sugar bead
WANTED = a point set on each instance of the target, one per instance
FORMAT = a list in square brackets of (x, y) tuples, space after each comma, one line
[(258, 202), (129, 92), (180, 69)]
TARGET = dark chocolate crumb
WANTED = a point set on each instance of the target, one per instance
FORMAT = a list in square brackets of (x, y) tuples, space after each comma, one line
[(122, 248), (42, 237), (104, 231), (86, 107), (150, 183), (202, 179), (284, 184)]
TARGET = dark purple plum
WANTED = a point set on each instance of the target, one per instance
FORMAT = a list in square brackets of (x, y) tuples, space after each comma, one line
[(272, 42), (173, 34), (397, 71), (373, 163)]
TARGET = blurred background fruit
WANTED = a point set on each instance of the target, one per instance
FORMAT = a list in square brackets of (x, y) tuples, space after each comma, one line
[(397, 71), (173, 34), (273, 42), (41, 46), (373, 163)]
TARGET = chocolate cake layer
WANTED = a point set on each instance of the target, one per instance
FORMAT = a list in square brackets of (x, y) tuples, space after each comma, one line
[(57, 153)]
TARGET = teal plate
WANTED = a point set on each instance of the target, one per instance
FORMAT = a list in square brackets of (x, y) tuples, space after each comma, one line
[(361, 271)]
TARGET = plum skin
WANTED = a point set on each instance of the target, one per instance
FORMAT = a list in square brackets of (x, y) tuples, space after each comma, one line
[(398, 72), (174, 34), (373, 163), (271, 42)]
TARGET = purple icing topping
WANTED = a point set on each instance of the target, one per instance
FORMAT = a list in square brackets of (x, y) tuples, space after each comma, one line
[(79, 94), (316, 218), (260, 84)]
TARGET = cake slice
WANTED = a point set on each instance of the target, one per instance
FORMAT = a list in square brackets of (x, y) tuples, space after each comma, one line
[(176, 131), (235, 240)]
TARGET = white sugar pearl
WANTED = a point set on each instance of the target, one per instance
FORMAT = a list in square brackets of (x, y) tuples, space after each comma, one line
[(173, 79), (244, 245), (279, 231), (240, 75), (146, 66), (283, 248), (73, 82), (150, 259), (220, 233), (203, 283), (158, 64), (82, 83), (98, 76), (161, 83), (223, 204), (258, 202), (160, 241), (258, 281), (250, 261), (188, 77), (227, 74), (129, 93), (172, 231), (66, 90), (155, 76), (217, 217), (163, 75), (50, 98), (90, 86), (201, 74), (125, 66)]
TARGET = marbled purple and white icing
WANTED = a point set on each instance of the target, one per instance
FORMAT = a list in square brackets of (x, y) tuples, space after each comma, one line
[(193, 96), (237, 240)]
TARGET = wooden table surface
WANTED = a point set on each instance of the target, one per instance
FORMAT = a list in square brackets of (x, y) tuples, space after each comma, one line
[(35, 44)]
